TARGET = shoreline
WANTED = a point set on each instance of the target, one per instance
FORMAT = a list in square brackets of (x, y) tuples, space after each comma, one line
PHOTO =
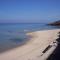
[(33, 48)]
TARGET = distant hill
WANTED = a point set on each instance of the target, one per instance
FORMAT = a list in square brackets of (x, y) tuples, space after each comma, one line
[(56, 23)]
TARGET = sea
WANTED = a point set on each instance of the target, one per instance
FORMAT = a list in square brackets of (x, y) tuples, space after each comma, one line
[(14, 34)]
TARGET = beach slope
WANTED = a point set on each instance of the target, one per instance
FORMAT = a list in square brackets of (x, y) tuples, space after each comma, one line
[(33, 50)]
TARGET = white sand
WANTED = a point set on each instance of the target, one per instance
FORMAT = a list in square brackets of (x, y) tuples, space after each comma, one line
[(32, 50)]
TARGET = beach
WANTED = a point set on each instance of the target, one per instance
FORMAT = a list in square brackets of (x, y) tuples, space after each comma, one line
[(33, 49)]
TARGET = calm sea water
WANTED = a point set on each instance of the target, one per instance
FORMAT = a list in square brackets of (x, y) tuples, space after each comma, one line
[(12, 35)]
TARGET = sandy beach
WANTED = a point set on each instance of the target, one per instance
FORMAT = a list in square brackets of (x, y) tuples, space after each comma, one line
[(33, 49)]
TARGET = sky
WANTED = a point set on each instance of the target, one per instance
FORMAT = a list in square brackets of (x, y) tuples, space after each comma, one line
[(26, 11)]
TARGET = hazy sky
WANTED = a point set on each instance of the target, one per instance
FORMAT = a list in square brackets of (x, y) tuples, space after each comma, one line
[(29, 10)]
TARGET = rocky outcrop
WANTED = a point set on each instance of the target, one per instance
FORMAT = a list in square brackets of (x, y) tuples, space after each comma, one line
[(56, 23)]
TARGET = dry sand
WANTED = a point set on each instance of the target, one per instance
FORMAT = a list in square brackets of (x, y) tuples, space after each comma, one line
[(32, 50)]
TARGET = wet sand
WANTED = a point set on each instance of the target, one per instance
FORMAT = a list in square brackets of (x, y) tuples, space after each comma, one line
[(33, 49)]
